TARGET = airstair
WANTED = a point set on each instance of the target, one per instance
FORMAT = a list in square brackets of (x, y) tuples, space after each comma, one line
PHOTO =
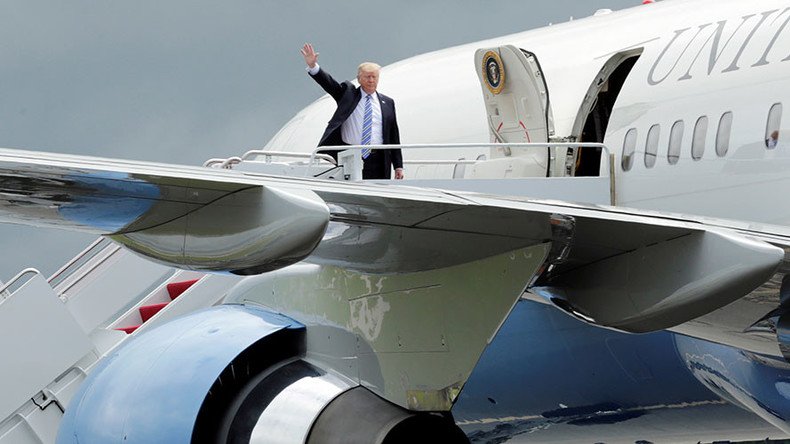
[(55, 330), (543, 170)]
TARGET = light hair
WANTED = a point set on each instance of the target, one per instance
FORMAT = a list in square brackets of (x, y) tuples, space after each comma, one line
[(368, 66)]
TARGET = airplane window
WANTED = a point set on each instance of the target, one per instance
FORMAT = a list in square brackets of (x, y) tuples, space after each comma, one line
[(698, 142), (772, 129), (629, 145), (651, 146), (723, 134), (675, 140)]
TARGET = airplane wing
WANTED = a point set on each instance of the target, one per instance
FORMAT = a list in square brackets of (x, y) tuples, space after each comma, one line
[(632, 270)]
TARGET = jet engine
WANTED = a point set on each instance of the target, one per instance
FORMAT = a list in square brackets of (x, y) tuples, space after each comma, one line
[(234, 374)]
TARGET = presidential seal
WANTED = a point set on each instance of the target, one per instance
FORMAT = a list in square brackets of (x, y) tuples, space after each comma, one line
[(493, 72)]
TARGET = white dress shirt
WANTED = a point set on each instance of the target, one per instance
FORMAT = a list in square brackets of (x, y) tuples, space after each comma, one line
[(351, 131)]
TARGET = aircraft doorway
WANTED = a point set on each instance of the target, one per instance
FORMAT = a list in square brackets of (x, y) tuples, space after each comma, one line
[(593, 117), (518, 110)]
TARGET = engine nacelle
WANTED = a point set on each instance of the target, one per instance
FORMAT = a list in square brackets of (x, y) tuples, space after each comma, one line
[(233, 374)]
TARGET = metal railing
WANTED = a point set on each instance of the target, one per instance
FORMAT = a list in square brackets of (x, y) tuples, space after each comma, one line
[(66, 271), (445, 146), (6, 289), (604, 151), (440, 162), (70, 270), (267, 155), (223, 163), (317, 155), (78, 261)]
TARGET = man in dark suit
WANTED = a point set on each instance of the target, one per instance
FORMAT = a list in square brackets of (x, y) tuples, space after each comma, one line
[(363, 117)]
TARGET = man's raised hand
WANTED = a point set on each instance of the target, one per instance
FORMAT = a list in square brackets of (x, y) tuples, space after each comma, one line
[(309, 54)]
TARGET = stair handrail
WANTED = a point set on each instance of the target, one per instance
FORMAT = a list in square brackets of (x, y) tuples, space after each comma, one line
[(88, 271), (66, 270), (4, 290)]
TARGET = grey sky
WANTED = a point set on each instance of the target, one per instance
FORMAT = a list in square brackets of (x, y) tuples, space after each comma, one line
[(185, 80)]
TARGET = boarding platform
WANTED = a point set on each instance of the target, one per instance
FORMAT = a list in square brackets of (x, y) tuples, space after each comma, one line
[(536, 170)]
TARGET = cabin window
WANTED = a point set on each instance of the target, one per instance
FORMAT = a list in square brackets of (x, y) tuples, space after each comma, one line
[(723, 134), (772, 129), (675, 140), (698, 142), (651, 146), (629, 146)]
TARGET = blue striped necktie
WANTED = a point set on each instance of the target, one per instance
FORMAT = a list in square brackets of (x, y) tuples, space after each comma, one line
[(367, 126)]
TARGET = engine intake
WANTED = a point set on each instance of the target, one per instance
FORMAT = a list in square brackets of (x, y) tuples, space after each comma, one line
[(298, 402)]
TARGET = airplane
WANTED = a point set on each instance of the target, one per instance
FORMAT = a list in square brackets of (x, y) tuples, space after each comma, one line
[(607, 271)]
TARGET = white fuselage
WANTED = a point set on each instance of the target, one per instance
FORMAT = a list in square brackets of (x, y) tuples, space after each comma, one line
[(698, 58)]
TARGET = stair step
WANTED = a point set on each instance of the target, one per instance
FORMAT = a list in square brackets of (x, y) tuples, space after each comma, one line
[(148, 311), (174, 289), (128, 330)]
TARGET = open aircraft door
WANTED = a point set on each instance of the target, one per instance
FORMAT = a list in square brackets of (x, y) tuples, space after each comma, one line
[(517, 104)]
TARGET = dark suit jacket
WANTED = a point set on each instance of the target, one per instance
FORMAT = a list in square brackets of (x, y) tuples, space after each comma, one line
[(380, 163)]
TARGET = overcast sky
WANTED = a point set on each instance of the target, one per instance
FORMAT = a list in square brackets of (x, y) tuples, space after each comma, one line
[(182, 81)]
